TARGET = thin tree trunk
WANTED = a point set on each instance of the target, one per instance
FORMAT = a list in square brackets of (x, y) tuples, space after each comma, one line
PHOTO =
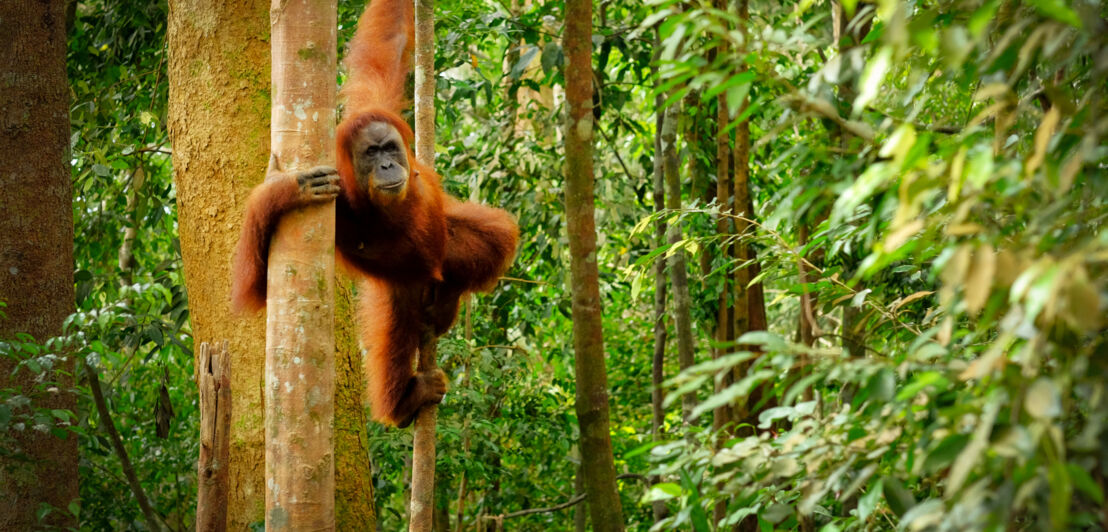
[(214, 381), (677, 271), (853, 335), (422, 507), (581, 512), (725, 316), (463, 484), (658, 373), (36, 244), (441, 520), (300, 348), (588, 339), (725, 325), (750, 305)]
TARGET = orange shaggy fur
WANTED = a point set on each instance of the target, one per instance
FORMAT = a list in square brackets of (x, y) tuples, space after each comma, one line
[(416, 255)]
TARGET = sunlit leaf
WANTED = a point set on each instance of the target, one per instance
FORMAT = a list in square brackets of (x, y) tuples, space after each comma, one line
[(1043, 400)]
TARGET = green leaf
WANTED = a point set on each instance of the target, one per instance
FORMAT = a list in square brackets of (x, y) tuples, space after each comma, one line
[(744, 77), (769, 341), (524, 60), (732, 393), (872, 77), (1043, 400), (1084, 482), (923, 380), (1058, 10), (1061, 494), (945, 453), (970, 455), (899, 498), (552, 57), (923, 516), (663, 491), (777, 512)]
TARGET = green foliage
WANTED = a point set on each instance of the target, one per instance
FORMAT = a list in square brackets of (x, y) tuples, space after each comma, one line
[(132, 314), (952, 172), (946, 160)]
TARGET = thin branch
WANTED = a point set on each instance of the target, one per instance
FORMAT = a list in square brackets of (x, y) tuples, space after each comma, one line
[(887, 314), (153, 520), (518, 280), (572, 502), (612, 144)]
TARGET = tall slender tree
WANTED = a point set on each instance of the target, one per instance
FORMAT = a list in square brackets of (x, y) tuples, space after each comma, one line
[(588, 339), (36, 244), (679, 277), (423, 436), (658, 361)]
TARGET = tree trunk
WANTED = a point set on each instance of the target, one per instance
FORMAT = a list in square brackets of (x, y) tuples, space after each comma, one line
[(658, 364), (580, 512), (36, 244), (300, 343), (677, 271), (725, 314), (588, 339), (423, 436), (219, 123), (750, 306), (354, 509), (853, 333), (214, 381)]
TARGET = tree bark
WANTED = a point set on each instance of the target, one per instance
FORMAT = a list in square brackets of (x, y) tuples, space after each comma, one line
[(36, 243), (423, 436), (724, 333), (677, 269), (300, 344), (853, 333), (588, 339), (214, 381), (658, 363), (354, 509), (219, 123), (725, 315)]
